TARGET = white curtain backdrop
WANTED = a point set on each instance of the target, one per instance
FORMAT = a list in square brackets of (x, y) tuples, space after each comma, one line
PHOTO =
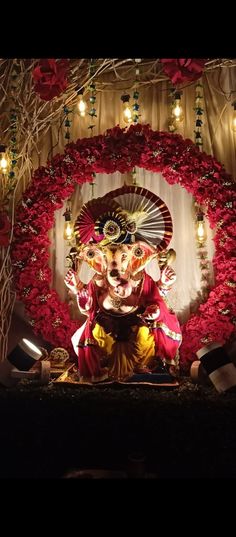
[(186, 293)]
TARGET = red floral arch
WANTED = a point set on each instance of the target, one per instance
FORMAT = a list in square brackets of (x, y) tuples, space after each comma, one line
[(119, 149)]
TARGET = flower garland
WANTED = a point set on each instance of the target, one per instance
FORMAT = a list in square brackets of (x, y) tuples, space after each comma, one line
[(180, 161)]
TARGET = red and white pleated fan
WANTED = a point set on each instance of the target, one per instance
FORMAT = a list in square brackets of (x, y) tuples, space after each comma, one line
[(84, 227), (149, 212)]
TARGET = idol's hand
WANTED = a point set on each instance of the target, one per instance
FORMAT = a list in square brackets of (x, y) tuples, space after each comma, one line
[(85, 301), (151, 313), (168, 276), (71, 281)]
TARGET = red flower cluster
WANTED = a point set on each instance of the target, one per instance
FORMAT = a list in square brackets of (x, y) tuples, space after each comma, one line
[(180, 161), (183, 70), (5, 227), (50, 78)]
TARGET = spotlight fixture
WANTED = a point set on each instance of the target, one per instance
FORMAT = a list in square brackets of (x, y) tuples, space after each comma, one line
[(218, 366), (20, 361)]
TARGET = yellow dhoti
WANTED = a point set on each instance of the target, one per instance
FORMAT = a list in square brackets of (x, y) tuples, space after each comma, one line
[(126, 356)]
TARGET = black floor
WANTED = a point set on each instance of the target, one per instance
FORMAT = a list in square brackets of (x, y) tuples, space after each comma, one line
[(188, 432)]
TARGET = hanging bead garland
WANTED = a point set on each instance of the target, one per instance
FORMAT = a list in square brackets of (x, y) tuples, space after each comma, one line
[(172, 127), (67, 122), (136, 106), (199, 112), (92, 97)]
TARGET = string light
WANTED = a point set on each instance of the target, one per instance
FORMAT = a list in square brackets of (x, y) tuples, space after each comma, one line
[(233, 120)]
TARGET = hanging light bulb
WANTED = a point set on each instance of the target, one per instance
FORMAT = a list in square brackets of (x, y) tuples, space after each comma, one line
[(81, 105), (233, 120), (68, 226), (127, 112), (4, 161), (177, 110), (201, 234)]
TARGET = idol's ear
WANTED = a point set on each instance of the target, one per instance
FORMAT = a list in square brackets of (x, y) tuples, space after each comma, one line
[(141, 254), (93, 255)]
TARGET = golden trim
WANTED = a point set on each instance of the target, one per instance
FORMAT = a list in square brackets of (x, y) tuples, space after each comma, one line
[(167, 331)]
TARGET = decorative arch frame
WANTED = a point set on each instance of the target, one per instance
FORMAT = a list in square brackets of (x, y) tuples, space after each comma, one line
[(180, 161)]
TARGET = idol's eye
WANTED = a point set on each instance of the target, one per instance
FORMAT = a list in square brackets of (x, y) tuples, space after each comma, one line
[(124, 257), (138, 252), (90, 254)]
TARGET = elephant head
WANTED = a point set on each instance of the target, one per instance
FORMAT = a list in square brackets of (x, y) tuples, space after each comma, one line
[(118, 263)]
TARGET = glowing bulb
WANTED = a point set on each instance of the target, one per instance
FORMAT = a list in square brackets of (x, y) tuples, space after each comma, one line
[(82, 106), (127, 113), (201, 234), (3, 160), (68, 231), (177, 111), (68, 226), (233, 121)]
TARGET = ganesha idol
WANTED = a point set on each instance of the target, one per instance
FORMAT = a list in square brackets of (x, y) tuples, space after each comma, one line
[(129, 327)]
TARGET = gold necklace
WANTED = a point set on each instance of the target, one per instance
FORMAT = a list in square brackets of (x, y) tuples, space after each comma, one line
[(116, 301)]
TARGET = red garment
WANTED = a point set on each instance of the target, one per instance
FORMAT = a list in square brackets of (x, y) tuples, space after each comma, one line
[(166, 346), (89, 353)]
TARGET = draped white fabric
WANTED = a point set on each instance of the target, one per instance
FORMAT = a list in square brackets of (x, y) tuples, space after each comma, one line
[(186, 293)]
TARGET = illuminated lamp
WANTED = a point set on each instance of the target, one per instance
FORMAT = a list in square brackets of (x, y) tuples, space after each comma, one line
[(201, 234), (177, 110), (68, 226), (218, 366), (4, 161), (127, 112), (19, 363)]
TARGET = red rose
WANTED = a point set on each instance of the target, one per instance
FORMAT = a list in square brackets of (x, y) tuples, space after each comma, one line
[(50, 78), (183, 70), (5, 227)]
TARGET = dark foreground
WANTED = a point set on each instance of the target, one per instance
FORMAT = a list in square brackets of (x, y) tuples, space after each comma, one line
[(188, 432)]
